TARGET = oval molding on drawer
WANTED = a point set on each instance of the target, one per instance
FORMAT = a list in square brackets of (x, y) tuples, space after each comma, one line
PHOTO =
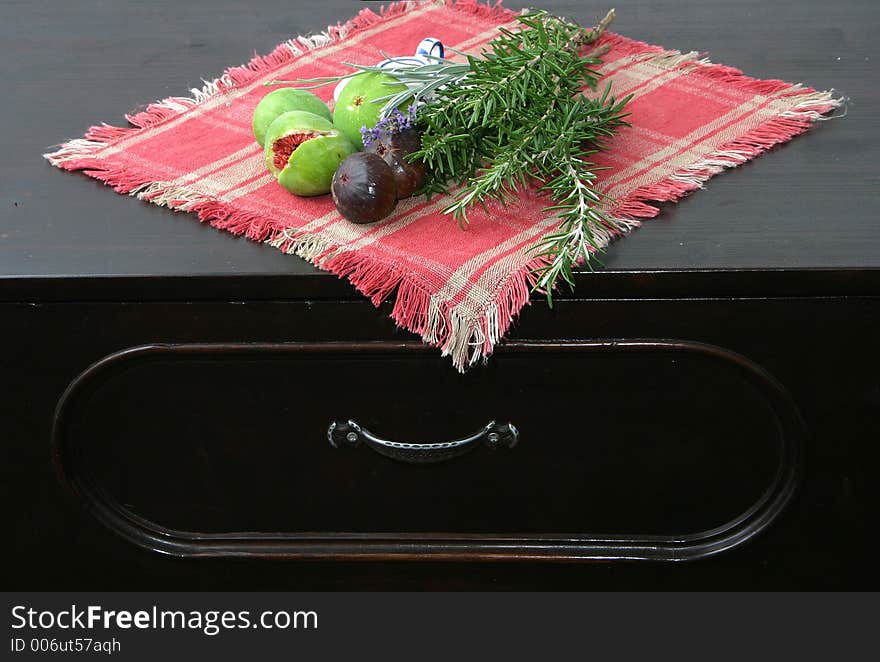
[(627, 449)]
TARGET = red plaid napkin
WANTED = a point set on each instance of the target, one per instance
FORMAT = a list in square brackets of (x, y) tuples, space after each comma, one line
[(459, 290)]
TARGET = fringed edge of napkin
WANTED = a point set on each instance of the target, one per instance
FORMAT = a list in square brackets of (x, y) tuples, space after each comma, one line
[(807, 106), (462, 336)]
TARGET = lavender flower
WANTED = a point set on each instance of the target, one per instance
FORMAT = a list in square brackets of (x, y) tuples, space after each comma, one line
[(369, 135), (396, 122)]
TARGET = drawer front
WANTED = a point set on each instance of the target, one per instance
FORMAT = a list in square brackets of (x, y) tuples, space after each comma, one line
[(647, 449)]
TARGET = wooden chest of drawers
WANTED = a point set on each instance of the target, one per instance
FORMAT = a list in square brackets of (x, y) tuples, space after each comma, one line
[(186, 410)]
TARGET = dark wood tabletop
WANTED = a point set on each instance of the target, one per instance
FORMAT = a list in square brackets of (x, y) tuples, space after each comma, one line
[(800, 218)]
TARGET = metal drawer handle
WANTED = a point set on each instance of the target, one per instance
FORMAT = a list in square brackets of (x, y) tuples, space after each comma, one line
[(349, 434)]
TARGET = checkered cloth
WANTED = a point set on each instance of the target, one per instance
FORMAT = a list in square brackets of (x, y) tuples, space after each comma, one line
[(459, 290)]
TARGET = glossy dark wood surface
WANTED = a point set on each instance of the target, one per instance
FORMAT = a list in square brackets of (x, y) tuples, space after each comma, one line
[(809, 204), (692, 439), (820, 349)]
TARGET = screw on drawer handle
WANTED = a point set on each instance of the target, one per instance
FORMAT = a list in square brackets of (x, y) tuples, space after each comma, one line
[(350, 434)]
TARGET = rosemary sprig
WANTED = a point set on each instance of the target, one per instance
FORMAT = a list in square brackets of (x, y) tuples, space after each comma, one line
[(516, 116), (520, 119)]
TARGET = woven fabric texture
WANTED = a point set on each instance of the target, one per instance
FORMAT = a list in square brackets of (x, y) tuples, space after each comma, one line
[(458, 290)]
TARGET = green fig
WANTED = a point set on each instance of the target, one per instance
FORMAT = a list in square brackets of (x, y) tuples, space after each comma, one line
[(303, 151), (284, 100), (355, 107)]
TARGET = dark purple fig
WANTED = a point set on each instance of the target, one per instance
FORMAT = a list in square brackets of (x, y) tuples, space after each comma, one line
[(394, 147), (363, 188)]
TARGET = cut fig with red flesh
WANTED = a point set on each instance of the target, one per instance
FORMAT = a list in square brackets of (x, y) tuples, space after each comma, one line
[(284, 147), (303, 151)]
